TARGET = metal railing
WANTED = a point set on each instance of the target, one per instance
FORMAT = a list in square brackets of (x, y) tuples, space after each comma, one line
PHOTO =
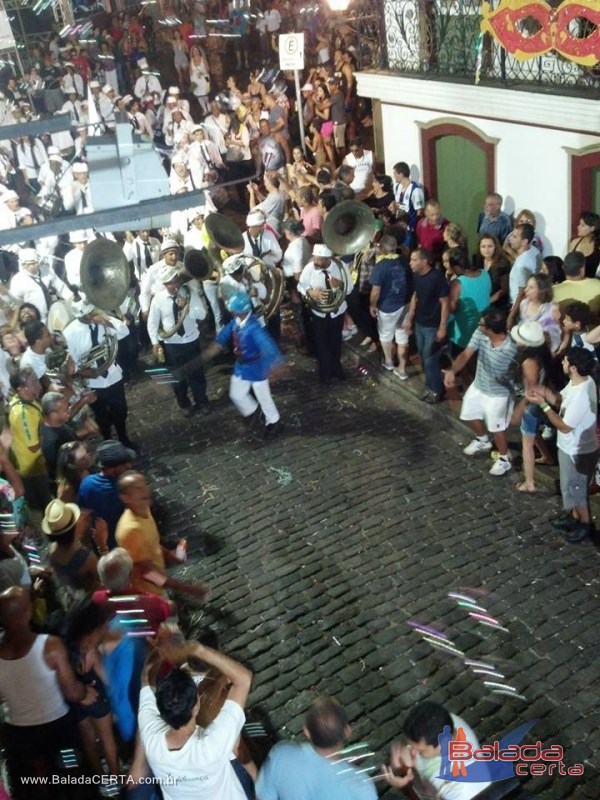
[(441, 39)]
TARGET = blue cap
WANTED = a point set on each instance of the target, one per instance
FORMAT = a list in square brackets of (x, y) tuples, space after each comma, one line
[(240, 303)]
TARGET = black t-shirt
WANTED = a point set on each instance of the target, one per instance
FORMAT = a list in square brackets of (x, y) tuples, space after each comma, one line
[(52, 441), (429, 289), (337, 112)]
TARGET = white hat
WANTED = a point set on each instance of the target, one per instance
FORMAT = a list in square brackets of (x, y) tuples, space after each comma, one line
[(179, 158), (81, 308), (197, 212), (127, 98), (171, 99), (10, 195), (308, 87), (142, 63), (232, 264), (174, 90), (529, 333), (196, 128), (321, 251), (94, 84), (56, 159), (79, 166), (264, 115), (53, 150), (22, 213), (78, 236), (255, 218), (107, 88), (27, 255), (167, 274), (168, 244)]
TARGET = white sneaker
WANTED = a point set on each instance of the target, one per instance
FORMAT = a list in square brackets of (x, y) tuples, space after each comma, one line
[(477, 446), (501, 466), (387, 366), (347, 335), (547, 432), (399, 374)]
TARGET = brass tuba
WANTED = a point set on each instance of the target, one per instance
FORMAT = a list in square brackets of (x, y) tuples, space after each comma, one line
[(256, 271), (222, 234), (105, 280), (348, 227)]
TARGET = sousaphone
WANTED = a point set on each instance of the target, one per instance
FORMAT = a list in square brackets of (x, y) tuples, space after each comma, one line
[(222, 234), (348, 227), (105, 279)]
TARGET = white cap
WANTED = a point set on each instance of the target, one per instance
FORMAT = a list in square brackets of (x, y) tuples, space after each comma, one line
[(255, 218), (55, 159), (107, 88), (179, 158), (167, 274), (264, 115), (27, 255), (81, 308), (10, 195), (322, 251), (79, 166), (127, 98), (22, 213), (174, 90), (171, 99), (197, 212), (94, 84), (168, 244), (78, 236), (53, 150), (232, 264), (142, 63)]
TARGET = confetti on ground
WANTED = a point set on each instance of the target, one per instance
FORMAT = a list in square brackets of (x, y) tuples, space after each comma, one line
[(284, 476)]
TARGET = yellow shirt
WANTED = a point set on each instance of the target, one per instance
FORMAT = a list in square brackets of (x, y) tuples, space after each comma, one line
[(586, 291), (25, 423), (139, 536)]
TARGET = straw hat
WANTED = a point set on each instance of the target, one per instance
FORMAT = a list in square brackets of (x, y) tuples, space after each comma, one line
[(60, 517)]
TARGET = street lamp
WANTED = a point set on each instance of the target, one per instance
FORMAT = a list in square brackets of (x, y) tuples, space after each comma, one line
[(338, 5)]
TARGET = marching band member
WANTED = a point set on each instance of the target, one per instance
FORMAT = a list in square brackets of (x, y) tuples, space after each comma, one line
[(259, 242), (31, 285), (197, 239), (255, 356), (237, 278), (318, 278), (150, 283), (174, 311), (142, 251), (73, 257), (89, 329)]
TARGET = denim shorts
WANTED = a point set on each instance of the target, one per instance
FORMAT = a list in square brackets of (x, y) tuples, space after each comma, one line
[(531, 420)]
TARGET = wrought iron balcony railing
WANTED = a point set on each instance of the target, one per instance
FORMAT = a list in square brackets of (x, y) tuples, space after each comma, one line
[(441, 39)]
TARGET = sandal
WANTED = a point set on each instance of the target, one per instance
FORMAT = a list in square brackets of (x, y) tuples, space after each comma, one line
[(522, 487)]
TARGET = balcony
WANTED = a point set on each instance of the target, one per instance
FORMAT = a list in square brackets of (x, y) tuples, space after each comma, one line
[(440, 40)]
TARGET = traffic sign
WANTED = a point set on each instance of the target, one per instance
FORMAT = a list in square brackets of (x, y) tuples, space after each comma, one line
[(291, 51)]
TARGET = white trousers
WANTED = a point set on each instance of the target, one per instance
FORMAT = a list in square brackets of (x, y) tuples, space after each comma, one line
[(211, 292), (240, 392)]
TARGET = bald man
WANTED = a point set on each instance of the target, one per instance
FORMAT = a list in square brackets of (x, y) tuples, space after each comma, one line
[(137, 533), (36, 679)]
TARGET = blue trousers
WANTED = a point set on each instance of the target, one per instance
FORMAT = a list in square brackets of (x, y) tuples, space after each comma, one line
[(430, 352)]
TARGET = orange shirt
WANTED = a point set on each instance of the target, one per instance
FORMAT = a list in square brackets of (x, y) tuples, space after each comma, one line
[(139, 536)]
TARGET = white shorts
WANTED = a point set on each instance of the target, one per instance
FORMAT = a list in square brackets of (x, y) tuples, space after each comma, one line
[(391, 325), (494, 411)]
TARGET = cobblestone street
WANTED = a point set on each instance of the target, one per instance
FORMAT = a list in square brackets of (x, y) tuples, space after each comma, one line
[(326, 546)]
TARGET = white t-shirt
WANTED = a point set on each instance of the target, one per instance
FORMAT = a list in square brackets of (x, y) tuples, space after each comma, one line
[(363, 170), (36, 361), (429, 787), (201, 769), (578, 410)]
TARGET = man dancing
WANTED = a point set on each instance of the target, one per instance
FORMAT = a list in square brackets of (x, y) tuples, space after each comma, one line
[(255, 356)]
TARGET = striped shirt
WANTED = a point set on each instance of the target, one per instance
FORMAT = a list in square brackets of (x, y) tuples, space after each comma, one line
[(493, 375)]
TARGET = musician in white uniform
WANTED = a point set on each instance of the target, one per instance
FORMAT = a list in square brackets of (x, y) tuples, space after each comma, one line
[(150, 282), (32, 285), (73, 257), (141, 251), (259, 242), (179, 342), (91, 328), (322, 274)]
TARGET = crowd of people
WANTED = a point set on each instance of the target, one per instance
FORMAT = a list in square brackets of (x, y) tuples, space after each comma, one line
[(87, 603)]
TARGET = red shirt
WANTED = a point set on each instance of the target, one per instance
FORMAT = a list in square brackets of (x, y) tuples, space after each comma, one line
[(144, 611), (432, 236)]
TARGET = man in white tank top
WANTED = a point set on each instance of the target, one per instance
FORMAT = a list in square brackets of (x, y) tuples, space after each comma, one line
[(36, 679)]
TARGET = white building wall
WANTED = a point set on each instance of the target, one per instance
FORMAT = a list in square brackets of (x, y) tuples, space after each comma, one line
[(532, 162)]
